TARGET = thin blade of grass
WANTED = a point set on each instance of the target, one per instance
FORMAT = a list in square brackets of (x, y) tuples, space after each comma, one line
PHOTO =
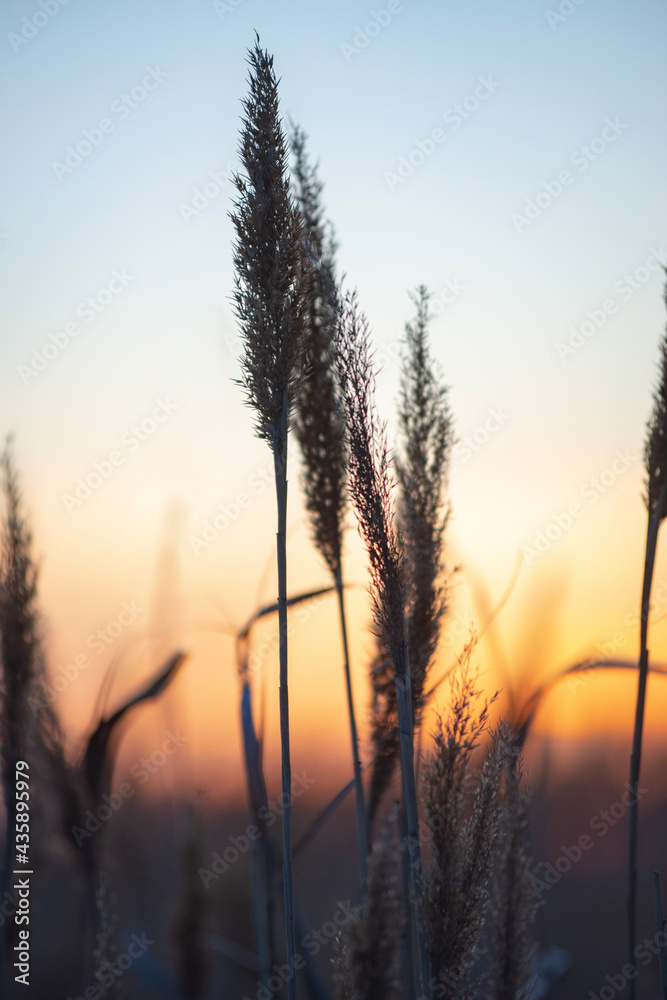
[(272, 609)]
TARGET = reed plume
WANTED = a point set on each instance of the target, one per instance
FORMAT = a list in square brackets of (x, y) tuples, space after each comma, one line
[(655, 460), (272, 273), (370, 484), (515, 902), (271, 294), (384, 737), (319, 428), (464, 826), (370, 489), (318, 425), (425, 440), (366, 966)]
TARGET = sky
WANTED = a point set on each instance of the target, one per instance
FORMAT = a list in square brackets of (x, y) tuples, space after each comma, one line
[(509, 156)]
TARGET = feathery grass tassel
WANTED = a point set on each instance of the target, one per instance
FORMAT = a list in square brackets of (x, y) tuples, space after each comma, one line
[(516, 904), (320, 431), (656, 504), (422, 463), (270, 297), (421, 470), (370, 489), (366, 966)]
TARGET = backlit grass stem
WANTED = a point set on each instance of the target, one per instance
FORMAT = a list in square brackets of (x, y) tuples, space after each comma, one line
[(271, 293), (656, 504)]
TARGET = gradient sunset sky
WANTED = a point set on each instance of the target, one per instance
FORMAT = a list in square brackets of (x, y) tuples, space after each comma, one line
[(510, 156)]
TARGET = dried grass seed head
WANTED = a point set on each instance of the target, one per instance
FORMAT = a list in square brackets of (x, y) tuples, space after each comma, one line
[(462, 813), (655, 453), (370, 483), (318, 422), (515, 902), (426, 436), (366, 964), (270, 257)]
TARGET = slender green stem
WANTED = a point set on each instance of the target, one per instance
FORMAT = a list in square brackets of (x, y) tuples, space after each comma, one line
[(280, 464), (635, 758), (362, 819), (403, 699)]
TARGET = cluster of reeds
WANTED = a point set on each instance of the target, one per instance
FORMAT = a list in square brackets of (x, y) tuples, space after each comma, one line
[(425, 439), (445, 896), (271, 295), (478, 902), (307, 350), (62, 789), (320, 428)]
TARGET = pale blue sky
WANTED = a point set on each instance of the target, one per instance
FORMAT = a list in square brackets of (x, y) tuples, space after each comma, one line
[(168, 333)]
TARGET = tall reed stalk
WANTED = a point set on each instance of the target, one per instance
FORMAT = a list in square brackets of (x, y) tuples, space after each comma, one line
[(656, 504), (370, 491), (271, 286), (321, 434)]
